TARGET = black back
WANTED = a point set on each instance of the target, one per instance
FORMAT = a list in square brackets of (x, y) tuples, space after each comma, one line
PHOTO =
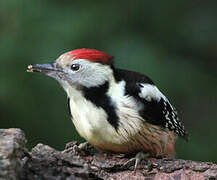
[(155, 112)]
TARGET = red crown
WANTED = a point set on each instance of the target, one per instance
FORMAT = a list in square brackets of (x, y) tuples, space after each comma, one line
[(91, 55)]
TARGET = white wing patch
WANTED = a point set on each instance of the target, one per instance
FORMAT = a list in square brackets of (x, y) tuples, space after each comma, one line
[(169, 115), (149, 92)]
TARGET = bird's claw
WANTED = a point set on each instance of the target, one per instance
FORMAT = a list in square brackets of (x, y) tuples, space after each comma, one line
[(136, 160), (85, 146), (73, 147)]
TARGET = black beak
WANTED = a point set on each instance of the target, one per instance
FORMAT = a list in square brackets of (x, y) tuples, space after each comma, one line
[(44, 68)]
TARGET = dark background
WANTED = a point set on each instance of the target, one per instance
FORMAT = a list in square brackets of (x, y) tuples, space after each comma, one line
[(174, 42)]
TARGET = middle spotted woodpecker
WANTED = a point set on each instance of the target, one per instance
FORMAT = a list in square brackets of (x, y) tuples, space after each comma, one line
[(113, 109)]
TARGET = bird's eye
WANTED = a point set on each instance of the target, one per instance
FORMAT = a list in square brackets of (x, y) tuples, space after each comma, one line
[(75, 67)]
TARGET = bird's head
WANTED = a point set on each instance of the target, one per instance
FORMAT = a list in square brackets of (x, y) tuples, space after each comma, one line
[(80, 67)]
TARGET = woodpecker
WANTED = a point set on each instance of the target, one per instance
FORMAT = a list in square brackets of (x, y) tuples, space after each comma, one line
[(115, 110)]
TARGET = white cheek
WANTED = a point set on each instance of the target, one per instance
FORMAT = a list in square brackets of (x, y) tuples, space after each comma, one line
[(90, 74), (94, 74)]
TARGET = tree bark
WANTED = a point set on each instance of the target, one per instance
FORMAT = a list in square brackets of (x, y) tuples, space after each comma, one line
[(44, 162)]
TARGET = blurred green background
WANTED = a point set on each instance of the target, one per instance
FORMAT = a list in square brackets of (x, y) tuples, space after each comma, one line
[(174, 42)]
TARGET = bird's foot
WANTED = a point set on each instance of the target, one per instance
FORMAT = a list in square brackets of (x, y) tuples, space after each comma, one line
[(136, 160), (86, 146), (81, 148)]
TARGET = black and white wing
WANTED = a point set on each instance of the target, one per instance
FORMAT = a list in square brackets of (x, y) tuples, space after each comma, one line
[(156, 109)]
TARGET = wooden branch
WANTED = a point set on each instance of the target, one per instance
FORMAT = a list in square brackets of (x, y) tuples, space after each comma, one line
[(44, 162)]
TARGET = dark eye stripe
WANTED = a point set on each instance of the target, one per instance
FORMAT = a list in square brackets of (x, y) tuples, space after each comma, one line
[(75, 67)]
